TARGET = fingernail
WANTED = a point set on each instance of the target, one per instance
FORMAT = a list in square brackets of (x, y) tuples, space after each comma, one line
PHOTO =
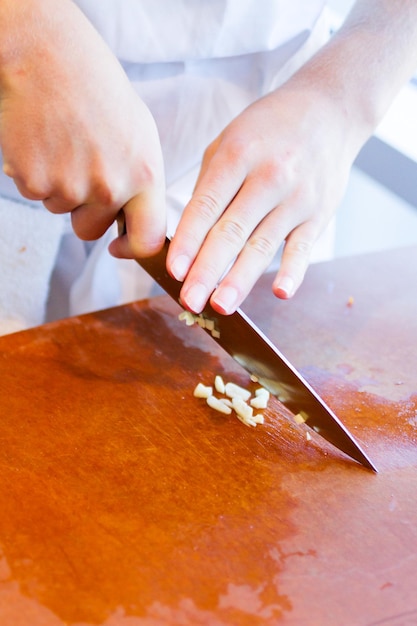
[(180, 266), (286, 285), (196, 297), (226, 299)]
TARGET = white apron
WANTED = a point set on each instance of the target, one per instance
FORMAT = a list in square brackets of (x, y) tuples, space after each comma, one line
[(196, 64)]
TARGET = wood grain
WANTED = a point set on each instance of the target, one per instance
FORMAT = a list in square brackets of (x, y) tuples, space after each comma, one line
[(128, 502)]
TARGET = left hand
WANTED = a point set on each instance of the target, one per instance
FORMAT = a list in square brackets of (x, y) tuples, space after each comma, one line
[(279, 170), (274, 175)]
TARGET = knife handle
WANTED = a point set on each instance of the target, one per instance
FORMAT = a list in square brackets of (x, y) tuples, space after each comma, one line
[(121, 223)]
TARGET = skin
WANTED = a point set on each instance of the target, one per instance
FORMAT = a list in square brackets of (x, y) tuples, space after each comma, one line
[(279, 170), (73, 132), (85, 143)]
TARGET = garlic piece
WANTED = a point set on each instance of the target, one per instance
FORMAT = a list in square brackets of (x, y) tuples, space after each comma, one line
[(232, 390), (218, 405), (203, 391), (219, 384)]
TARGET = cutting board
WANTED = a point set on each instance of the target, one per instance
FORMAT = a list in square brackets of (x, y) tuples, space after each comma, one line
[(126, 501)]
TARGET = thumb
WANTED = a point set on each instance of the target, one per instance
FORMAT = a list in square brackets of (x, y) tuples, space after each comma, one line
[(142, 226)]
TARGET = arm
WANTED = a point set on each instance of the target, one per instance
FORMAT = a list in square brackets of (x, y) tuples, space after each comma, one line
[(280, 169), (72, 130)]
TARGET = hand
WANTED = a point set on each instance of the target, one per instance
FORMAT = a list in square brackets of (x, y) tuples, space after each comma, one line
[(73, 132), (274, 175), (278, 171)]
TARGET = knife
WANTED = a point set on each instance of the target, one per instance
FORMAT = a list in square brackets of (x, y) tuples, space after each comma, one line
[(246, 343)]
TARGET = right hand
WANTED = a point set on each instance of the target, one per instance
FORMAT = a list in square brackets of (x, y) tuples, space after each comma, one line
[(73, 132)]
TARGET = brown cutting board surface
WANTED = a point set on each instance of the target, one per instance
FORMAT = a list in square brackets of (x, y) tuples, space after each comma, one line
[(125, 501)]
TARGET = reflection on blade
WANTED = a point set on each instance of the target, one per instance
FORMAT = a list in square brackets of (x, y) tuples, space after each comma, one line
[(253, 350)]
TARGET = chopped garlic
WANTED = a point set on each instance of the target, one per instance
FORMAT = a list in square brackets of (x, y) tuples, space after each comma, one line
[(232, 390), (209, 324), (234, 397), (188, 317), (242, 409), (204, 322), (261, 391), (219, 384), (300, 418), (246, 421), (202, 391), (218, 405), (259, 402)]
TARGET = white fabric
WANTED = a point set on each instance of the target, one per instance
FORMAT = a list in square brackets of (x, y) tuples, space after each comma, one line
[(160, 31), (196, 64), (29, 242)]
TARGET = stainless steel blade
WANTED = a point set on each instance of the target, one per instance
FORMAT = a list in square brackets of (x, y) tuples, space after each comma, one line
[(240, 337)]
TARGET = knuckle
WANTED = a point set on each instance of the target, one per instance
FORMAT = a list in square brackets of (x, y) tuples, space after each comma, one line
[(101, 185), (278, 172), (209, 152), (234, 148), (206, 206), (232, 232), (148, 173), (301, 247), (67, 194), (106, 194), (262, 246), (32, 188)]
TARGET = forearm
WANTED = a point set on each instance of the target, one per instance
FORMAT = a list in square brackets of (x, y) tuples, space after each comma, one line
[(31, 30), (365, 63)]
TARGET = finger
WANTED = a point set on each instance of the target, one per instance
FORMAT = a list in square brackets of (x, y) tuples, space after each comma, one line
[(295, 259), (58, 205), (35, 190), (253, 260), (145, 221), (236, 231), (90, 221), (56, 196), (67, 195), (215, 190), (245, 239)]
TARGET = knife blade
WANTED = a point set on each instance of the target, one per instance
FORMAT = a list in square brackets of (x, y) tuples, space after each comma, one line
[(248, 345)]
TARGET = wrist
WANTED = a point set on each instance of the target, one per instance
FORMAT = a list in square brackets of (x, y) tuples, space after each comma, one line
[(365, 64), (27, 27)]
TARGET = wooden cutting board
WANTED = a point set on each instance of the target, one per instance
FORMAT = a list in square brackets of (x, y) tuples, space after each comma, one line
[(125, 501)]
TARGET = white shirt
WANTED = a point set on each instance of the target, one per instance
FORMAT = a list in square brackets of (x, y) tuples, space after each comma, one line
[(196, 64), (189, 30)]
